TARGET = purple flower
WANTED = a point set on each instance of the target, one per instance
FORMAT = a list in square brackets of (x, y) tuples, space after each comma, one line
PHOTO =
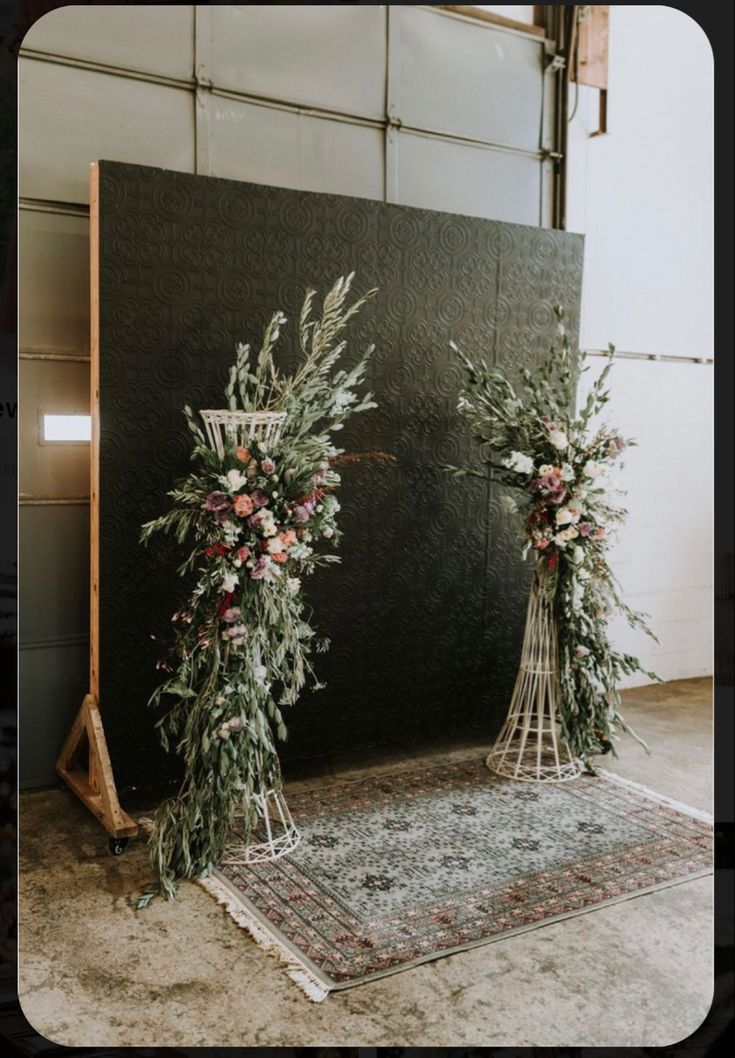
[(255, 520), (301, 513), (260, 568), (321, 476), (217, 501), (585, 528), (231, 615), (267, 465), (616, 445), (259, 498)]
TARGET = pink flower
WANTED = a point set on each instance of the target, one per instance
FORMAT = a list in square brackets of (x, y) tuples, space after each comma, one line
[(231, 614), (260, 568), (585, 528), (599, 532), (267, 465), (236, 632), (243, 554), (243, 505), (259, 498), (280, 557), (302, 513), (288, 538)]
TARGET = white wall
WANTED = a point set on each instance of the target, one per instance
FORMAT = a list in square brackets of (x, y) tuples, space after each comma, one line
[(643, 195)]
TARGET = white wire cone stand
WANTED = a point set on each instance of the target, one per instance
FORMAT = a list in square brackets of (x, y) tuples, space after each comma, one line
[(275, 834), (530, 747)]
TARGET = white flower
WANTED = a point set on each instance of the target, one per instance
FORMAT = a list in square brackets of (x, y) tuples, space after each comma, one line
[(564, 516), (581, 651), (229, 582), (232, 532), (592, 469), (275, 495), (328, 532), (224, 732), (293, 584), (307, 535), (300, 551), (259, 674), (508, 504), (567, 472), (560, 540), (584, 574), (235, 480), (275, 546), (522, 464), (559, 439), (577, 554), (569, 533), (545, 470)]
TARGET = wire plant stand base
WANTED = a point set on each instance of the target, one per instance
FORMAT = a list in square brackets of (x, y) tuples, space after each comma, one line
[(530, 746), (275, 834)]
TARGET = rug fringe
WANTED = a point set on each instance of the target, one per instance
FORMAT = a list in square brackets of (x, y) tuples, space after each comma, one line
[(678, 806), (299, 974)]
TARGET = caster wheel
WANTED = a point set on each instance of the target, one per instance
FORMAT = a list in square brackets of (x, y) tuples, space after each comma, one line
[(118, 845)]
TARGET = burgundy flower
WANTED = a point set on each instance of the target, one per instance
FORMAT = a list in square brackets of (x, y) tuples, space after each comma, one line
[(259, 498), (231, 614)]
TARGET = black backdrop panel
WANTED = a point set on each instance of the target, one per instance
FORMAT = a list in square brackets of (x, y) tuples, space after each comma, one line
[(425, 612)]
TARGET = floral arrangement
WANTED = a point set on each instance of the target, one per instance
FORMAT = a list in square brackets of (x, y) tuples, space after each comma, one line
[(560, 463), (253, 519)]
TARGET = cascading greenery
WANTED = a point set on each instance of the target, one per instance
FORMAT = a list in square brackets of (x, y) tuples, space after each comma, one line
[(243, 644), (559, 462)]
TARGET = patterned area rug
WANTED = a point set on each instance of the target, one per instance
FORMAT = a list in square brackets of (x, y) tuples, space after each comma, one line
[(396, 870)]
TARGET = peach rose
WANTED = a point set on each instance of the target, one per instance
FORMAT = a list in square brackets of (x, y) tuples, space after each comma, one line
[(280, 557), (288, 538), (242, 454), (243, 505)]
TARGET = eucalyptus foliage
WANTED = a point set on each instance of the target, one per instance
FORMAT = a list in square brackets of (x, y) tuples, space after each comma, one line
[(249, 526), (559, 461)]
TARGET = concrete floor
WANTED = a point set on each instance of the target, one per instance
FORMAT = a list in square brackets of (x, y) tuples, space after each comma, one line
[(93, 972)]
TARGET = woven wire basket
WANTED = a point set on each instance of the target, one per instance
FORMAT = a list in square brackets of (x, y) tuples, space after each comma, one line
[(225, 428)]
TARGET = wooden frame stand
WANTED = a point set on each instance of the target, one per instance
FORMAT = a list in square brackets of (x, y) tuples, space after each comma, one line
[(94, 784)]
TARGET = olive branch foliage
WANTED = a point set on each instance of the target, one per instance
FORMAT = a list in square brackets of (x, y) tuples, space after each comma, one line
[(224, 702), (508, 419)]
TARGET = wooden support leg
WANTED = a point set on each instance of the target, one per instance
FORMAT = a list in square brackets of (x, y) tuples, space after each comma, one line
[(95, 786)]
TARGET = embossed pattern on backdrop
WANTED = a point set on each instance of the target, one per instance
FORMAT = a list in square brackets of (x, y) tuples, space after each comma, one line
[(425, 613)]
